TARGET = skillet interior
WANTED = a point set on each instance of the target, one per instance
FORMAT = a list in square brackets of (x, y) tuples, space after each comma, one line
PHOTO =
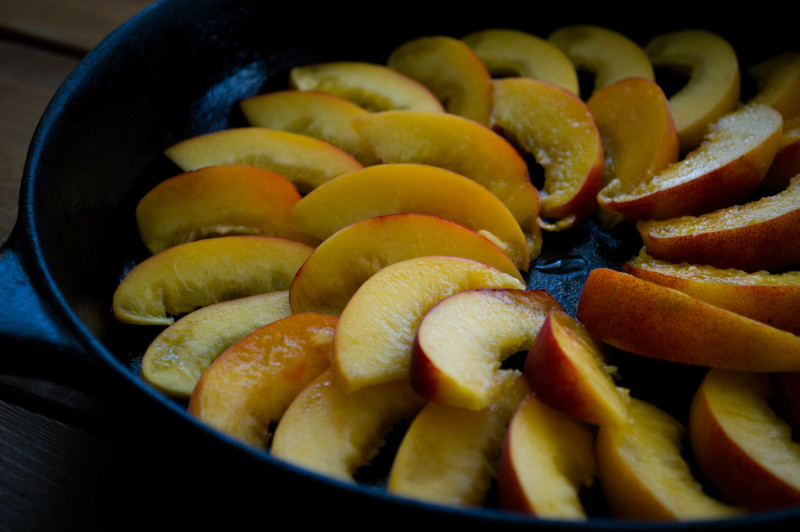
[(180, 68)]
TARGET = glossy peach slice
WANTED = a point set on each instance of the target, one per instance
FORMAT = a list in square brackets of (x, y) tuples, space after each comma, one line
[(606, 53), (463, 340), (246, 390), (638, 134), (307, 162), (333, 432), (375, 334), (450, 455), (655, 321), (341, 263), (175, 360), (317, 114), (557, 128), (742, 447), (395, 188), (759, 235), (548, 458), (644, 475), (778, 81), (216, 201), (786, 163), (713, 86), (786, 400), (567, 368), (451, 70), (185, 277), (724, 170), (772, 298), (510, 52), (461, 145), (371, 86)]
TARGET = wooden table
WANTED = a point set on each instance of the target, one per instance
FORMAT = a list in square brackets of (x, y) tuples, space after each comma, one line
[(63, 458)]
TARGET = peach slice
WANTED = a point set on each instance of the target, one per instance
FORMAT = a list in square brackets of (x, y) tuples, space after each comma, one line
[(786, 386), (332, 432), (606, 53), (772, 298), (658, 322), (341, 263), (741, 445), (371, 86), (566, 368), (394, 188), (548, 457), (638, 134), (713, 86), (786, 163), (317, 114), (557, 128), (643, 474), (215, 201), (461, 145), (175, 360), (759, 235), (450, 455), (375, 335), (185, 277), (510, 52), (451, 70), (246, 390), (307, 162), (724, 170), (463, 339), (778, 81)]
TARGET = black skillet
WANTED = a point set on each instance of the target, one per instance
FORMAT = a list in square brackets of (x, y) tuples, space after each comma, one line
[(177, 70)]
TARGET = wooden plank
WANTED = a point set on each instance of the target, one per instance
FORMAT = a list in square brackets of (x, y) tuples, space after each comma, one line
[(76, 25), (28, 79)]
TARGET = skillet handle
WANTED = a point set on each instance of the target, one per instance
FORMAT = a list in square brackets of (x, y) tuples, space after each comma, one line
[(33, 338)]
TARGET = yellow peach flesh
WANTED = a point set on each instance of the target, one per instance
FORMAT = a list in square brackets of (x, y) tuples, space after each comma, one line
[(451, 70), (175, 360), (509, 52)]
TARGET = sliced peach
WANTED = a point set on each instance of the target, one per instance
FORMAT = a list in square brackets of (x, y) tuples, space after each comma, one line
[(451, 70), (185, 277), (566, 368), (786, 386), (655, 321), (510, 52), (772, 298), (307, 162), (371, 86), (778, 81), (246, 390), (375, 335), (725, 169), (317, 114), (740, 444), (450, 455), (394, 188), (639, 137), (332, 432), (175, 360), (786, 163), (548, 457), (557, 128), (341, 263), (606, 53), (461, 145), (215, 201), (759, 235), (644, 475), (713, 86), (463, 339)]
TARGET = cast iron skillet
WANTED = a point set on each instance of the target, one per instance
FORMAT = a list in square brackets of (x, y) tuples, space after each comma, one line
[(177, 70)]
